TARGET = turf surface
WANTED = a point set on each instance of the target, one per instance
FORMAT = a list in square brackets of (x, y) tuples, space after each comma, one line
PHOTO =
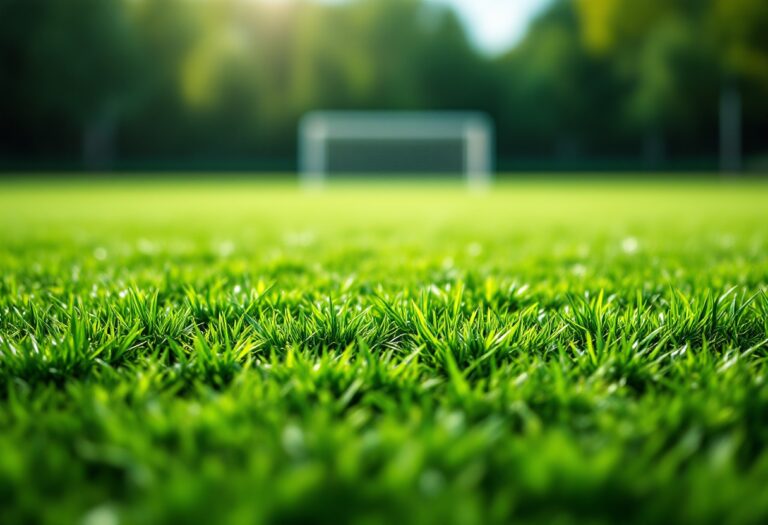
[(235, 352)]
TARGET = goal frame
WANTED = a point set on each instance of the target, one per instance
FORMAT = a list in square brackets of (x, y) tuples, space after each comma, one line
[(474, 129)]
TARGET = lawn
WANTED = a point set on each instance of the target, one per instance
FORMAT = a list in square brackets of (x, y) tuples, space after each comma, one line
[(553, 351)]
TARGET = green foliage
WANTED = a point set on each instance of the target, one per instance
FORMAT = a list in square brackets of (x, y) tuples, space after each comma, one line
[(250, 353), (737, 26), (190, 81)]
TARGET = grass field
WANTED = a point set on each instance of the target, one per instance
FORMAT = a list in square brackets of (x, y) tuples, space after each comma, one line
[(236, 352)]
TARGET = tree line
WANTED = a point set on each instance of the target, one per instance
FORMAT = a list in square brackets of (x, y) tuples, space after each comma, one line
[(223, 83)]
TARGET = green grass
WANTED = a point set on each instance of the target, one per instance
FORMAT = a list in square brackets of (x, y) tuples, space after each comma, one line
[(235, 352)]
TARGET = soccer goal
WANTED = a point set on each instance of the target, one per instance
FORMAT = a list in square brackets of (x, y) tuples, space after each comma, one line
[(355, 144)]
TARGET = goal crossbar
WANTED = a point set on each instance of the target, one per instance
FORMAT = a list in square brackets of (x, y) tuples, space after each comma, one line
[(473, 129)]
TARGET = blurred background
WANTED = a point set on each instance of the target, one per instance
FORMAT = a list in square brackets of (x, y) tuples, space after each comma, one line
[(572, 85)]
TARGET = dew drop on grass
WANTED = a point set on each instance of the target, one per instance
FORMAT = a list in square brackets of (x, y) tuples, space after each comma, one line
[(578, 270), (727, 241), (146, 247), (101, 515), (474, 249), (293, 440), (300, 239), (454, 423), (431, 482), (630, 245), (226, 248)]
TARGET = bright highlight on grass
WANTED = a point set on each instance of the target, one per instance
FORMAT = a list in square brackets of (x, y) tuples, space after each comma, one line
[(244, 353)]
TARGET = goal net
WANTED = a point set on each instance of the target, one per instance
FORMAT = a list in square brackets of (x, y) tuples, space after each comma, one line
[(354, 144)]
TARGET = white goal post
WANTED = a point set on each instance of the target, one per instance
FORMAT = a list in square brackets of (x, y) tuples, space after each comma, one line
[(355, 142)]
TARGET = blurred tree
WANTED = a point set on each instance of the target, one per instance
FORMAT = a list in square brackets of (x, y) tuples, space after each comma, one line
[(656, 51), (81, 65), (675, 52), (17, 110), (158, 125), (741, 45), (541, 78), (558, 99), (209, 81)]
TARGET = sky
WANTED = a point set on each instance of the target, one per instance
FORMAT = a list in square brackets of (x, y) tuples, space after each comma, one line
[(495, 25)]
